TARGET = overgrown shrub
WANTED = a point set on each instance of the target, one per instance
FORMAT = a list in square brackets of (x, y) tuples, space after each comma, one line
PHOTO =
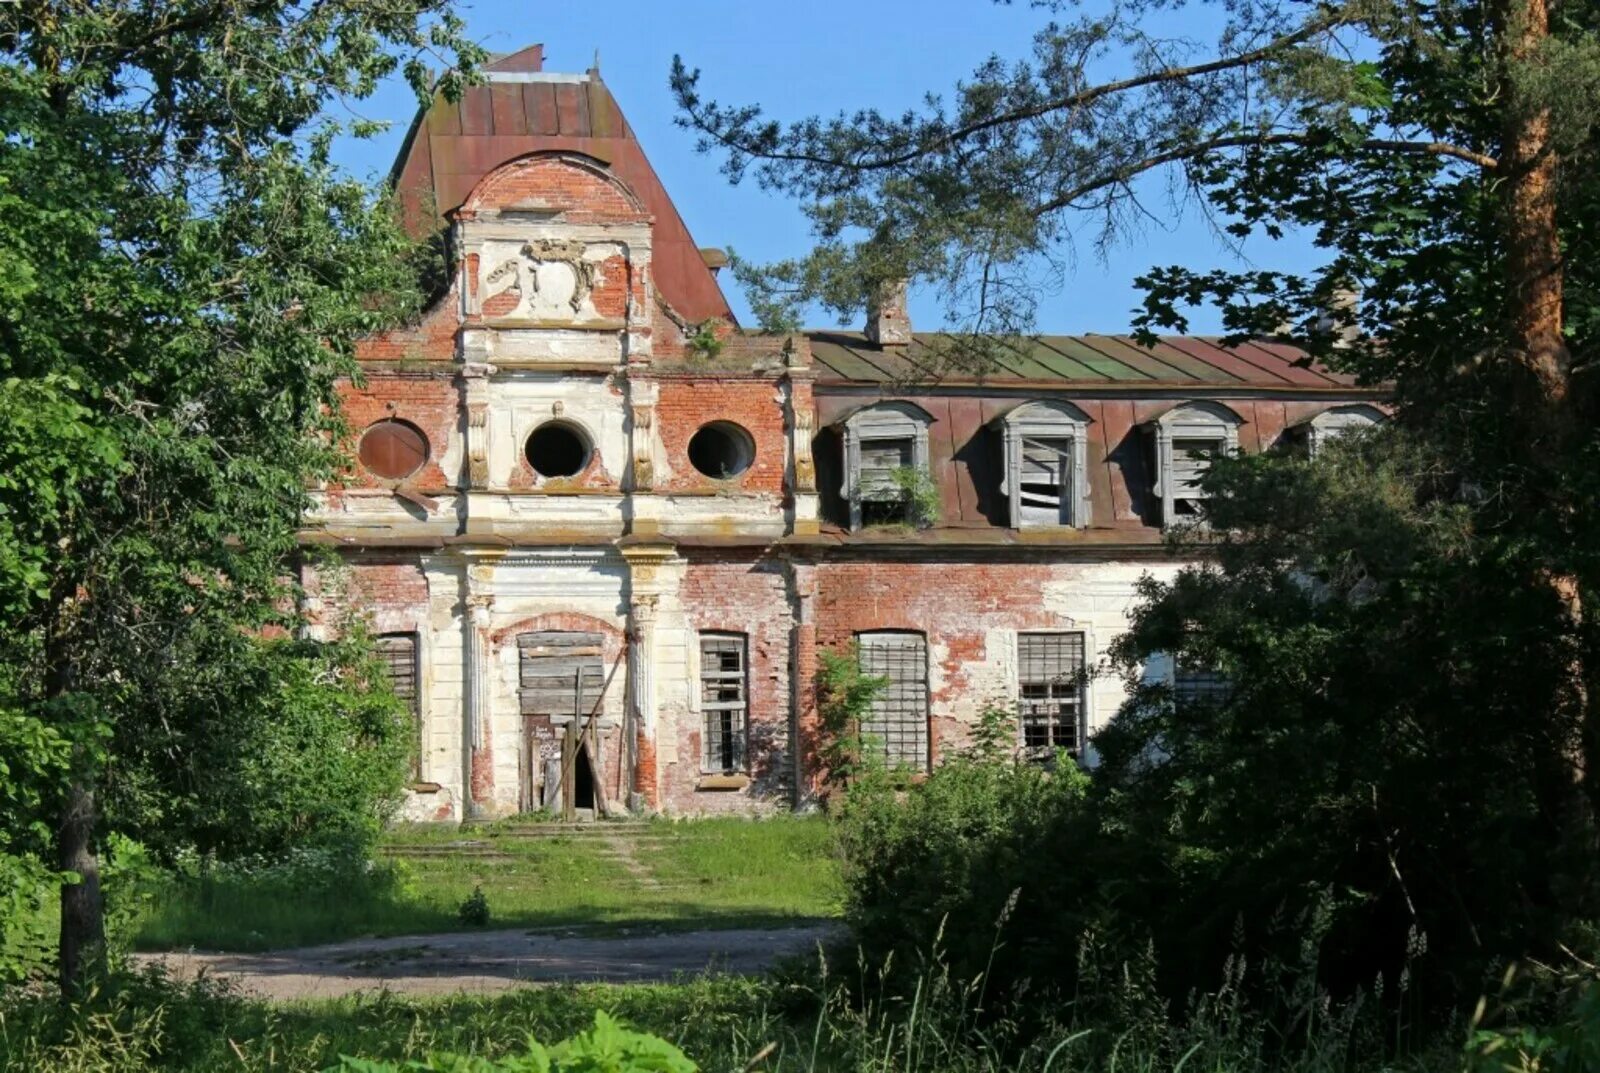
[(474, 909), (987, 850)]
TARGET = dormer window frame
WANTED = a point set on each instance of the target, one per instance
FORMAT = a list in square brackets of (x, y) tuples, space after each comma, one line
[(881, 422), (1189, 421), (1337, 420), (1045, 420)]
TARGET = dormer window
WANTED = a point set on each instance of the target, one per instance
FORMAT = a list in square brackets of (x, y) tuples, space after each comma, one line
[(1046, 476), (881, 443), (1331, 424), (1188, 437)]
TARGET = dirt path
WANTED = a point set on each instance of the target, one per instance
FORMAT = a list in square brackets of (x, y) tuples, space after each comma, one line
[(486, 961)]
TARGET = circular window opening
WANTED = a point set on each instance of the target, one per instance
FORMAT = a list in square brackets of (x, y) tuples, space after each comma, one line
[(392, 449), (721, 450), (557, 450)]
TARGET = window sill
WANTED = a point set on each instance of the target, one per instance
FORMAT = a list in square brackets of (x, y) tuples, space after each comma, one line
[(722, 782), (424, 787)]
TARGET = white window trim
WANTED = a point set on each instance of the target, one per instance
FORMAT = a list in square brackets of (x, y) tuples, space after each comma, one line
[(1190, 421), (1047, 420), (882, 421), (1333, 423)]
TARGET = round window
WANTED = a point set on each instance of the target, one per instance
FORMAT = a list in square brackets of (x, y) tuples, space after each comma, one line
[(721, 450), (392, 449), (557, 450)]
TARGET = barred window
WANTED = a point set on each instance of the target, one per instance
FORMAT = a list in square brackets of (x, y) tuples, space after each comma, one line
[(1199, 687), (897, 723), (398, 654), (1050, 691), (724, 707)]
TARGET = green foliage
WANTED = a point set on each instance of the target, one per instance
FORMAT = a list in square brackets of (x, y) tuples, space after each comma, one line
[(1393, 760), (608, 1047), (970, 860), (1543, 1022), (723, 873), (474, 911), (313, 751), (919, 492), (704, 343), (183, 277), (844, 697)]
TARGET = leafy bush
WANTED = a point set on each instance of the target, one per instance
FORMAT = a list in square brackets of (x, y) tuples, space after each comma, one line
[(608, 1047), (984, 852), (474, 911), (313, 751)]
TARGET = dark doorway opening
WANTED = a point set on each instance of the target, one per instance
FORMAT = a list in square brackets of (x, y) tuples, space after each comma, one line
[(583, 779)]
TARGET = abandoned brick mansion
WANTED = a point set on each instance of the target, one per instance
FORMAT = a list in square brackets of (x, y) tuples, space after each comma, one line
[(602, 545)]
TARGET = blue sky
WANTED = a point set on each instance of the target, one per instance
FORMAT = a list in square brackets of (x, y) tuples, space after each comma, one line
[(797, 58)]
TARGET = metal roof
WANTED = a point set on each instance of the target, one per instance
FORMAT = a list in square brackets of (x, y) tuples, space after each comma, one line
[(1175, 360)]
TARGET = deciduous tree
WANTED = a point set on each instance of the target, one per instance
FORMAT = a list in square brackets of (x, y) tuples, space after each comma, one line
[(182, 275)]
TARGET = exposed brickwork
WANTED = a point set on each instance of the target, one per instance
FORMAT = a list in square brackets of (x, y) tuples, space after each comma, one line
[(688, 403), (744, 594), (432, 338), (429, 400), (557, 182), (954, 604)]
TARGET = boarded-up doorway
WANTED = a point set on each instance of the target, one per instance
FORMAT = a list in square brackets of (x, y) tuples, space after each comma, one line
[(562, 679)]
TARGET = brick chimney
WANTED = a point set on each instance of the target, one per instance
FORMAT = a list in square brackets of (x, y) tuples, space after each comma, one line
[(888, 320)]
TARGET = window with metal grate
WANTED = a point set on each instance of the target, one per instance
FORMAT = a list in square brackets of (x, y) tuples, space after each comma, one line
[(1050, 692), (897, 724), (724, 706), (398, 654), (1199, 687)]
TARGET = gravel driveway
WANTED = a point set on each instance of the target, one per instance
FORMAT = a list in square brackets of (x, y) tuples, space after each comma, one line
[(486, 961)]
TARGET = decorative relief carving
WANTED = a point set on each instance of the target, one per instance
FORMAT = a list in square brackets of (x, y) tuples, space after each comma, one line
[(644, 419), (476, 376), (550, 277), (805, 470)]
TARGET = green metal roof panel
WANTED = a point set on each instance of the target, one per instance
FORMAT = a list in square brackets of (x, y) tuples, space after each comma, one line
[(1077, 359)]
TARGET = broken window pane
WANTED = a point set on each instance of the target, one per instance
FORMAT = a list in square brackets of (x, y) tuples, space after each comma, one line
[(897, 724), (723, 705), (1050, 691), (1045, 481)]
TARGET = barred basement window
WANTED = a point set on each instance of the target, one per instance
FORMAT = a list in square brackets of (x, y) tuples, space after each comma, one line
[(1199, 687), (724, 704), (897, 724), (398, 654), (1050, 692)]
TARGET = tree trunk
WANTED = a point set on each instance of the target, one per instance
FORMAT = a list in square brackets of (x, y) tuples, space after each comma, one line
[(1533, 240), (1546, 412), (83, 929), (80, 954)]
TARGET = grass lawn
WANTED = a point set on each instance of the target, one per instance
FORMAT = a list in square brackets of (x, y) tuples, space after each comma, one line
[(713, 873)]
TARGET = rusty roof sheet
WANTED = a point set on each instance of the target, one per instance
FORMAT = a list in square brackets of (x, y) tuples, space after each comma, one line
[(522, 109), (1180, 361)]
